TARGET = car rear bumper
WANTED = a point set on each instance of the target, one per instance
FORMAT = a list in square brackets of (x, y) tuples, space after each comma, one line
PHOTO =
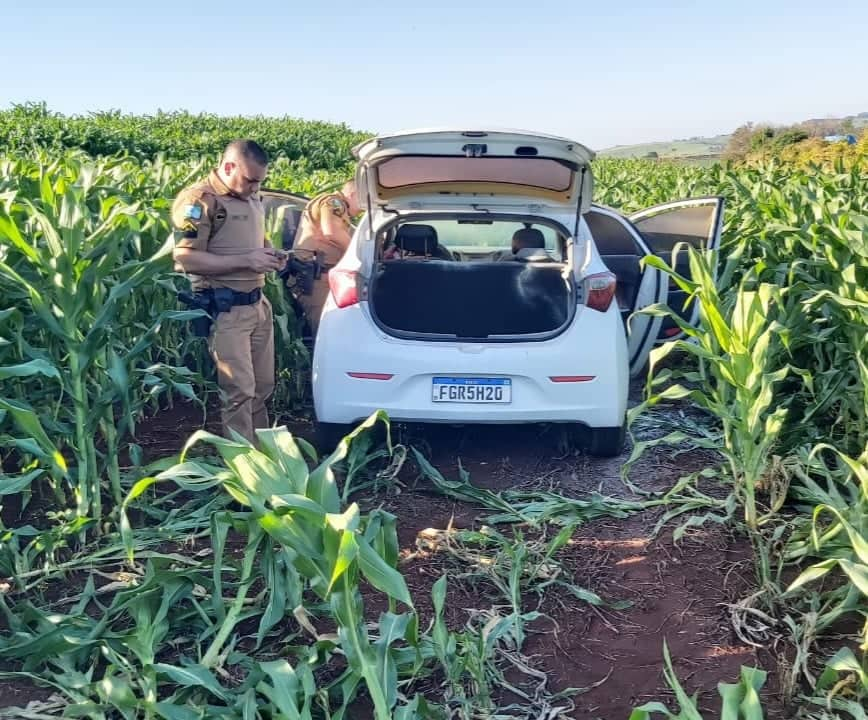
[(358, 369)]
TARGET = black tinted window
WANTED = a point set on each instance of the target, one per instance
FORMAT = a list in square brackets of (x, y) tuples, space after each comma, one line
[(610, 235), (687, 224)]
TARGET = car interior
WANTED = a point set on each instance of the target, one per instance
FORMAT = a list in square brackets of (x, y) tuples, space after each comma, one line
[(506, 297), (418, 241), (618, 250), (422, 241)]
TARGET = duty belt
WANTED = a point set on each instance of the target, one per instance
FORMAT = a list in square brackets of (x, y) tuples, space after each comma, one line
[(214, 301), (241, 298)]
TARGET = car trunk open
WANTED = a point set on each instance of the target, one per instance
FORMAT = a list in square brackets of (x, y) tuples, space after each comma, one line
[(501, 167), (472, 301), (481, 173)]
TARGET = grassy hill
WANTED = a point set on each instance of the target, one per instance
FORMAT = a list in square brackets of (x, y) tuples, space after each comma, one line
[(705, 147), (691, 147)]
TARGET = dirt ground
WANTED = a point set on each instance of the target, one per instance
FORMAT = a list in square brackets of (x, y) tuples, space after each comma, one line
[(678, 592)]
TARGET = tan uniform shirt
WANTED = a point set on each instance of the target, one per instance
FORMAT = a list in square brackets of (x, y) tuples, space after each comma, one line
[(310, 234), (209, 216)]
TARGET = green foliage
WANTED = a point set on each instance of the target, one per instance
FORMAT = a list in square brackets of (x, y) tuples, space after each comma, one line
[(270, 614), (801, 145), (738, 372), (269, 620), (91, 333), (307, 145), (739, 701), (295, 539), (835, 537), (787, 137), (802, 236), (79, 273), (779, 361)]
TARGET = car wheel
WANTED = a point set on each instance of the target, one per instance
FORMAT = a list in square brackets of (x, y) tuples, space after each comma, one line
[(329, 435), (606, 442)]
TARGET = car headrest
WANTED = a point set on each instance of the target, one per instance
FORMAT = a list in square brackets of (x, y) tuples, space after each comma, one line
[(417, 239), (528, 238)]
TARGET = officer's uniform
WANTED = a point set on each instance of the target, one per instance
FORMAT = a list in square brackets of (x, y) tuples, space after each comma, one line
[(209, 216), (310, 239)]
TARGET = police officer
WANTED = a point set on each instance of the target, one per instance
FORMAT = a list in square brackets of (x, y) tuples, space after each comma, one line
[(220, 242), (326, 229)]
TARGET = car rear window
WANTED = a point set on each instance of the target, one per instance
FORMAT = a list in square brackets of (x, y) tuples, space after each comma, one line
[(495, 235)]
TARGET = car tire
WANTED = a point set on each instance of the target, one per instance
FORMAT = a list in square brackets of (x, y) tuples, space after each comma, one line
[(329, 435), (607, 441)]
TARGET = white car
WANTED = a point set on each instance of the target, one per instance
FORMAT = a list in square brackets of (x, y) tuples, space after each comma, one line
[(432, 318)]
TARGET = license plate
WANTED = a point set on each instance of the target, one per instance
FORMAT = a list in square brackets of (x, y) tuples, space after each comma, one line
[(471, 390)]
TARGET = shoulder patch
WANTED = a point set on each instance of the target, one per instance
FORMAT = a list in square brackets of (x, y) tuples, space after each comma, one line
[(193, 212), (190, 208), (336, 205)]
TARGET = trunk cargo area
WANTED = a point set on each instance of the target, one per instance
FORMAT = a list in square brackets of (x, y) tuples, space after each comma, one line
[(470, 300)]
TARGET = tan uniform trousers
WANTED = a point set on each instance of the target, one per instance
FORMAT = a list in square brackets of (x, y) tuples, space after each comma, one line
[(242, 345), (313, 304)]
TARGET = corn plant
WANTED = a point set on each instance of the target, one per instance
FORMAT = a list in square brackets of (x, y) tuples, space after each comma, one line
[(837, 533), (534, 508), (177, 135), (329, 549), (72, 261), (739, 363), (468, 658), (164, 636), (808, 234), (842, 688), (779, 360), (266, 619), (739, 701)]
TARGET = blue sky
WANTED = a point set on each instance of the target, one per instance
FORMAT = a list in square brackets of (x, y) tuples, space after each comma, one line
[(603, 73)]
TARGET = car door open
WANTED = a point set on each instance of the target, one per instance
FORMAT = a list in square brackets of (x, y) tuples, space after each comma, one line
[(696, 221), (282, 215), (638, 285)]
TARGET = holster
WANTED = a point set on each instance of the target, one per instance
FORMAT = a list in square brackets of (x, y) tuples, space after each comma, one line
[(199, 300), (215, 301), (223, 300), (305, 272)]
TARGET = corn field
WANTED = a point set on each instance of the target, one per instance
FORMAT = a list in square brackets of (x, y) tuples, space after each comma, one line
[(226, 581)]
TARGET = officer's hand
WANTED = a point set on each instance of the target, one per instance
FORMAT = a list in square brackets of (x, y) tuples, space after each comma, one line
[(263, 260)]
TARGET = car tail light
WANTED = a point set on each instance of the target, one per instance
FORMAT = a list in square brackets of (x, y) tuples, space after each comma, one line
[(600, 289), (370, 376), (344, 287)]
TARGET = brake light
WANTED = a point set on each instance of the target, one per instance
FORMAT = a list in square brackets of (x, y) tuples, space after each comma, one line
[(600, 289), (343, 286), (370, 376)]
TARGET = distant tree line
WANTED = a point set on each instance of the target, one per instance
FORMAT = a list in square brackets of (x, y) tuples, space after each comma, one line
[(752, 140)]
